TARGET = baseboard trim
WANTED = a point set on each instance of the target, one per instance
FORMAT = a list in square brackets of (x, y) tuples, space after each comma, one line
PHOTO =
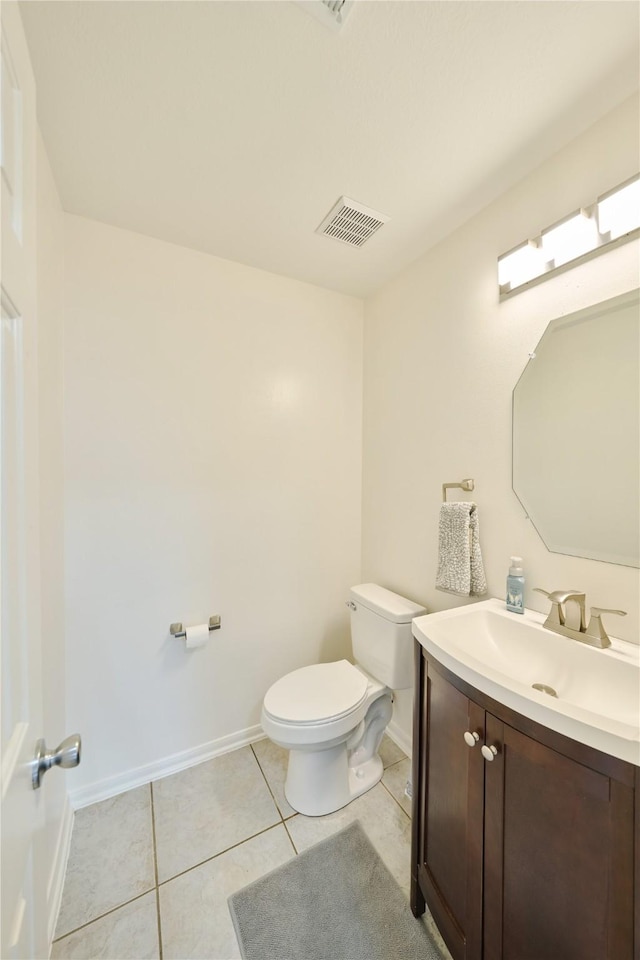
[(59, 868), (120, 783), (399, 737)]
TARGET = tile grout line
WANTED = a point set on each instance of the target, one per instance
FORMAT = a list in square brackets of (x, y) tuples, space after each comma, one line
[(295, 849), (155, 870), (395, 763), (395, 799), (161, 883), (201, 863), (138, 896), (107, 913), (264, 776)]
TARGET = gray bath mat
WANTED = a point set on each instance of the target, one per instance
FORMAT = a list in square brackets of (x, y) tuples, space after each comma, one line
[(336, 901)]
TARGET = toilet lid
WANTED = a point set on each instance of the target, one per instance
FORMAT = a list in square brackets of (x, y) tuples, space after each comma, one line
[(323, 691)]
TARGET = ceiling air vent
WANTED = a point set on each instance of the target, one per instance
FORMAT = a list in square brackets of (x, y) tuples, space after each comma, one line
[(351, 222), (332, 13)]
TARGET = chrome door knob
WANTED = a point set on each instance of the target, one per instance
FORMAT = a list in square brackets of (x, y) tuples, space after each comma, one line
[(470, 738), (489, 753), (67, 755)]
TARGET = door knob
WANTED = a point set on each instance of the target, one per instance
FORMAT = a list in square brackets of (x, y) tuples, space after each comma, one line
[(470, 738), (66, 755), (489, 753)]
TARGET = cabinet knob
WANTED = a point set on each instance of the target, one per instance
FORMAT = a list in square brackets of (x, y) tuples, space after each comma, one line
[(489, 752), (470, 738)]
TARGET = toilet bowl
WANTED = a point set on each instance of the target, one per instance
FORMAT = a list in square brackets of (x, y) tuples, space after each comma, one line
[(331, 717)]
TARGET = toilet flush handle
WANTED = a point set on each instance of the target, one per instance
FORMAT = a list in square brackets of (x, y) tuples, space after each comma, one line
[(350, 604)]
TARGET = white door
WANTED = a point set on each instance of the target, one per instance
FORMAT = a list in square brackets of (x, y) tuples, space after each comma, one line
[(23, 933)]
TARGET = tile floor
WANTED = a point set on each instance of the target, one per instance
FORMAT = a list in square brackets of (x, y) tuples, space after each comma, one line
[(150, 871)]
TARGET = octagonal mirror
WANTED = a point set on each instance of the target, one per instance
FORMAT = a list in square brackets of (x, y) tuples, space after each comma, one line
[(576, 433)]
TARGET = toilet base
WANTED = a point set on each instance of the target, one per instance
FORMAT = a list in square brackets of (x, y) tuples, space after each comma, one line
[(365, 776), (327, 775), (321, 781)]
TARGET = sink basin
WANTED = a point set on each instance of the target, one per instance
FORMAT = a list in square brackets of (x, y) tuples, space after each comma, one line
[(597, 692)]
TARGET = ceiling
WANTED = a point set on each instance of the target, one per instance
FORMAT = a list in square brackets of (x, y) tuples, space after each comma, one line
[(233, 127)]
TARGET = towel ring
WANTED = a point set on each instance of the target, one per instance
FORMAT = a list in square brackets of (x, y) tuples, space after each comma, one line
[(463, 485)]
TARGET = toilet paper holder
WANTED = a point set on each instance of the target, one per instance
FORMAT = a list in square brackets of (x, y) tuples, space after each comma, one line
[(178, 631)]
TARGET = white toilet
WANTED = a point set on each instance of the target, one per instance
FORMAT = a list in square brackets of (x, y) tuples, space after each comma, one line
[(331, 716)]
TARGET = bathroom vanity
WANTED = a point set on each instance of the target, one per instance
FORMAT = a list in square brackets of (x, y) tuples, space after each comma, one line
[(526, 839)]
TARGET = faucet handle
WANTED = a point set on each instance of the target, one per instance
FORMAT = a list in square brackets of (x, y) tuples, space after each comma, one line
[(561, 596), (556, 614), (596, 628), (558, 597)]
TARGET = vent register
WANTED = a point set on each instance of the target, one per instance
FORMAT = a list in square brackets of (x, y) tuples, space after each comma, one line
[(351, 222), (348, 221)]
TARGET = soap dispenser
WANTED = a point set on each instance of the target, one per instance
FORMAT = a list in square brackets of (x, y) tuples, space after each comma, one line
[(515, 586)]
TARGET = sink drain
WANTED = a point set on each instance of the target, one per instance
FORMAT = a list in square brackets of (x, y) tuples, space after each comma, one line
[(543, 688)]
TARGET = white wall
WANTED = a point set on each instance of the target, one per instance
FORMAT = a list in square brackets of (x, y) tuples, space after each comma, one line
[(441, 358), (50, 265), (213, 429), (213, 465)]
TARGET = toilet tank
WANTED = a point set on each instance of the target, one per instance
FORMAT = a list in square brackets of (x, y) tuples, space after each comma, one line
[(381, 633)]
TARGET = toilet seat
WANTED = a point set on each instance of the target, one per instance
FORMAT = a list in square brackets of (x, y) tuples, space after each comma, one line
[(321, 693)]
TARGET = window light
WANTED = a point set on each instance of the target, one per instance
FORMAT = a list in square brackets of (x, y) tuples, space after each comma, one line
[(619, 210), (613, 219), (576, 235), (520, 265)]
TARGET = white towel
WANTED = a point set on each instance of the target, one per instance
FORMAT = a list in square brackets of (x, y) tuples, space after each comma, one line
[(460, 568)]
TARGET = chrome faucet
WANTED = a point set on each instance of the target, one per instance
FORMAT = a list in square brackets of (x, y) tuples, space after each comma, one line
[(594, 634)]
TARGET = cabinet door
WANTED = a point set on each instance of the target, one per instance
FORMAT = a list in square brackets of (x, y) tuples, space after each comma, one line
[(558, 855), (450, 815)]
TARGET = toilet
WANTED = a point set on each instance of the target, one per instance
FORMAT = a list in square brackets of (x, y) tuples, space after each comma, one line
[(331, 716)]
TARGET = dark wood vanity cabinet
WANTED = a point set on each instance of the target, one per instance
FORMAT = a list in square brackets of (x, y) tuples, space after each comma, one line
[(528, 855)]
